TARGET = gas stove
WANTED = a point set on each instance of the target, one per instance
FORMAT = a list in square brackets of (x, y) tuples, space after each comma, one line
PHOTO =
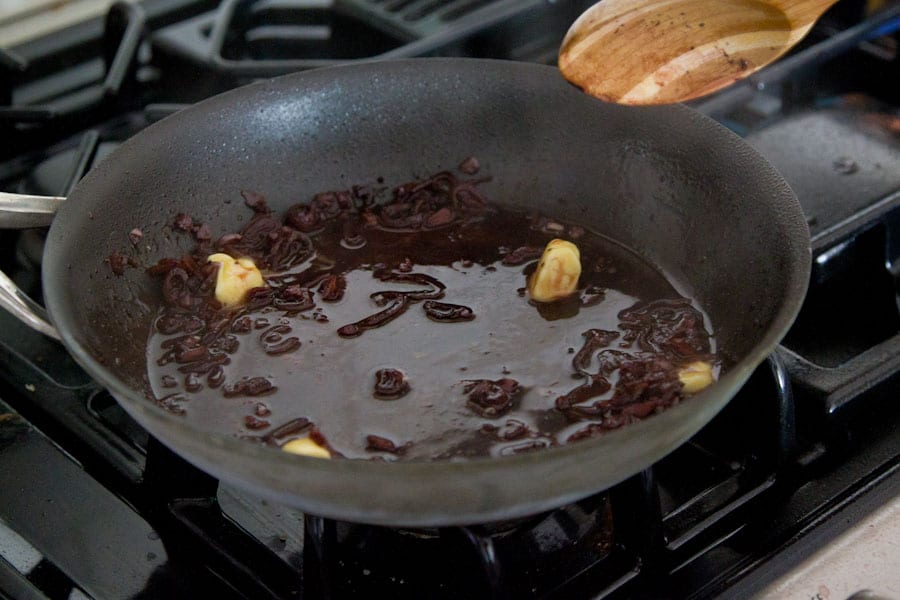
[(92, 506)]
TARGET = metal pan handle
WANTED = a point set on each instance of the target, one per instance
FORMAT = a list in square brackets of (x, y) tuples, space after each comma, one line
[(18, 211)]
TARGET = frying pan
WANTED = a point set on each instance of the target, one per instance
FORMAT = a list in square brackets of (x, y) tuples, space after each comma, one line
[(673, 185)]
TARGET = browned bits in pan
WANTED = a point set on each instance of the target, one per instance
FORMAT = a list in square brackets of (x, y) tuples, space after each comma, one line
[(181, 342), (443, 312), (469, 166), (671, 326), (205, 366), (292, 427), (162, 267), (351, 330), (254, 423), (437, 290), (203, 233), (591, 296), (227, 344), (173, 403), (647, 378), (432, 203), (328, 205), (274, 341), (255, 201), (319, 438), (590, 430), (594, 340), (523, 447), (168, 324), (492, 398), (595, 386), (216, 326), (189, 355), (390, 384), (294, 298), (117, 263), (177, 289), (332, 288), (183, 222), (610, 360), (302, 218), (522, 255), (376, 443), (352, 239), (647, 384), (512, 430), (228, 239), (242, 324), (395, 303), (439, 218), (192, 383), (406, 265), (215, 377), (248, 386), (270, 244)]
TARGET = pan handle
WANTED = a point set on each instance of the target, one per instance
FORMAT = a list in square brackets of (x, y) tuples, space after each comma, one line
[(24, 308), (19, 211)]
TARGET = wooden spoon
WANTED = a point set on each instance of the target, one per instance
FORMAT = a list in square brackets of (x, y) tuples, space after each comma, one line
[(665, 51)]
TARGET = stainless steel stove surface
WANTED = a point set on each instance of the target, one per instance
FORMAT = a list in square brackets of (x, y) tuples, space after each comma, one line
[(91, 506)]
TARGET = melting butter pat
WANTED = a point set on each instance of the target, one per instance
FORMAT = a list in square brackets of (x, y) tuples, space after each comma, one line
[(696, 376), (306, 447), (557, 273), (235, 278)]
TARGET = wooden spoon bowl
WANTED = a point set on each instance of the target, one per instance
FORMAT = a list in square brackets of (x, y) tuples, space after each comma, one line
[(666, 51)]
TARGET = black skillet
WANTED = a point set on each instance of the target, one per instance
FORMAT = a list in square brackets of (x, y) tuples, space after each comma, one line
[(673, 185)]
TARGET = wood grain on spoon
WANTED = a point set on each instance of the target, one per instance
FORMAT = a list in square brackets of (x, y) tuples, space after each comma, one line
[(665, 51)]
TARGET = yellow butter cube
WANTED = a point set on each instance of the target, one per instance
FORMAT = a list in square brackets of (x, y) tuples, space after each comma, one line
[(696, 376), (235, 278), (557, 273), (306, 447)]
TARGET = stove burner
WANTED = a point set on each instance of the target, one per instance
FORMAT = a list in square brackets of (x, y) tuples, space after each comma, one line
[(514, 560)]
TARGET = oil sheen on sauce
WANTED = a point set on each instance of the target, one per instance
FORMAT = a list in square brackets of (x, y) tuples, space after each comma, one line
[(330, 379)]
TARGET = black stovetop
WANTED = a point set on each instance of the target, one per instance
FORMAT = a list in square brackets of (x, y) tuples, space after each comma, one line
[(92, 506)]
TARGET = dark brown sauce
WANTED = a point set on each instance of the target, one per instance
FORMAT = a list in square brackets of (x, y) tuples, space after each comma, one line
[(420, 344)]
